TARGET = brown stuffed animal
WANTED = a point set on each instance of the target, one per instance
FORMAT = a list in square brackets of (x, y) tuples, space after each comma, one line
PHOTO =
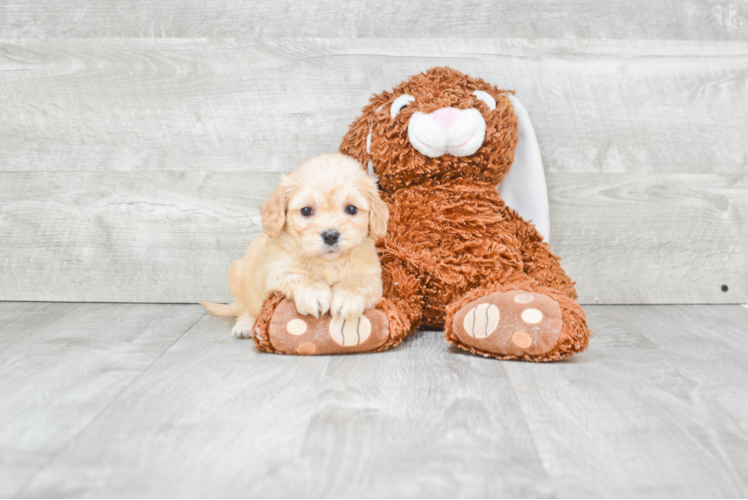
[(455, 255)]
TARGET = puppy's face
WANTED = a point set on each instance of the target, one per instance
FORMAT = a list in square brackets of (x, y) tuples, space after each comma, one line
[(326, 222), (327, 207)]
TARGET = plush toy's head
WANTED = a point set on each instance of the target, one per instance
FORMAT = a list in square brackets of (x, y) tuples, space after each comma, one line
[(436, 126)]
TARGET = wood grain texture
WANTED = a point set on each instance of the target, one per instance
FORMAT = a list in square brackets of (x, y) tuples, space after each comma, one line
[(637, 19), (716, 372), (639, 414), (654, 425), (251, 424), (125, 237), (267, 105), (61, 365), (652, 239), (171, 236)]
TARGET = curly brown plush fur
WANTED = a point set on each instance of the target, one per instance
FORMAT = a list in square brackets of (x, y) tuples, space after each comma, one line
[(451, 240), (450, 237)]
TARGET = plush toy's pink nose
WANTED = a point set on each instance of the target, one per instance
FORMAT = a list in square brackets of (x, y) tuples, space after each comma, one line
[(445, 117)]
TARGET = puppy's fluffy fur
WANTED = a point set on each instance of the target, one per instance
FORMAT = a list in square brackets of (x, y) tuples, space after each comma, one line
[(292, 255)]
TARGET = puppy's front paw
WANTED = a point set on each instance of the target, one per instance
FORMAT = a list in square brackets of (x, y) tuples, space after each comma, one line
[(243, 327), (347, 305), (312, 300)]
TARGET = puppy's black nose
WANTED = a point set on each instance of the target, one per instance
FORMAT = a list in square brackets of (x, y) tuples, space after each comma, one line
[(330, 237)]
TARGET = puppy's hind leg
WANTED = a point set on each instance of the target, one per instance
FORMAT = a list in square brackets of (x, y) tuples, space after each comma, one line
[(243, 327)]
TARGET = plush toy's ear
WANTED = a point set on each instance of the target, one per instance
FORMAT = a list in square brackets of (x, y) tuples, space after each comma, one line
[(523, 187)]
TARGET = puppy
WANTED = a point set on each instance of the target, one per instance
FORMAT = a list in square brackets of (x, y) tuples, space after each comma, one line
[(318, 246)]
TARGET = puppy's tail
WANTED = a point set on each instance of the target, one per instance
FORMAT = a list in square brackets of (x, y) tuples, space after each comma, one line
[(220, 309)]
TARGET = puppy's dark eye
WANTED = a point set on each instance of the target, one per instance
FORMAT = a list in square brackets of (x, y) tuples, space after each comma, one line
[(351, 210), (307, 211)]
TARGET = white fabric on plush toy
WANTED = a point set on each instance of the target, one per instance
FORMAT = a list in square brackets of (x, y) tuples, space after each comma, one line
[(524, 188)]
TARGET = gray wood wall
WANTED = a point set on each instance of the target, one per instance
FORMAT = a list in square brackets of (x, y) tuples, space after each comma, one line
[(140, 138)]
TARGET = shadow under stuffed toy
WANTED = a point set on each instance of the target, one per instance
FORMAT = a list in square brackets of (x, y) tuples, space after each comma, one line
[(458, 255)]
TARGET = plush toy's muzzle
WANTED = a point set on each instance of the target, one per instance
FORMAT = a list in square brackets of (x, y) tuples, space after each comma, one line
[(439, 130), (457, 132)]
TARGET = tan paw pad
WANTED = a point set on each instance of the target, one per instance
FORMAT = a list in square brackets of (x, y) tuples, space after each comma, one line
[(510, 323), (523, 298), (522, 339), (350, 332), (532, 316), (296, 327), (306, 348), (482, 321)]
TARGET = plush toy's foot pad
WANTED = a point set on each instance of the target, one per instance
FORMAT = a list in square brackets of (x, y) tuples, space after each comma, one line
[(292, 333), (511, 323)]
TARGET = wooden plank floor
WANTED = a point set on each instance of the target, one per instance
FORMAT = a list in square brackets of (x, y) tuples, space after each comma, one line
[(158, 400)]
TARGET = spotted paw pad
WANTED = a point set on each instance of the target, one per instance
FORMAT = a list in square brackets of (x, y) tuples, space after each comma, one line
[(292, 333), (515, 322)]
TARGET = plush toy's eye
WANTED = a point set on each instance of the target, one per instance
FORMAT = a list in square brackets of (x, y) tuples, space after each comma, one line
[(486, 97), (400, 104), (351, 210), (307, 211)]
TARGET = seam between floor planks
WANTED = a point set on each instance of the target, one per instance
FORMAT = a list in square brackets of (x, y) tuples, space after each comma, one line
[(70, 357), (104, 408)]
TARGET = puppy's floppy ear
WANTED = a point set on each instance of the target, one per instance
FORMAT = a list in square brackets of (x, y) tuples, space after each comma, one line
[(274, 211), (379, 214), (378, 218)]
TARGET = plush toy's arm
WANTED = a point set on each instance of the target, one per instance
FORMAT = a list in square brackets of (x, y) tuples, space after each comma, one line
[(524, 188)]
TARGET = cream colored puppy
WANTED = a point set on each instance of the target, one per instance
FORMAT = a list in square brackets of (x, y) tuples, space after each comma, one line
[(318, 246)]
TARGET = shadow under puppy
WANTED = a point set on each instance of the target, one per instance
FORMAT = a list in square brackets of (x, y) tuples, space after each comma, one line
[(318, 246)]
